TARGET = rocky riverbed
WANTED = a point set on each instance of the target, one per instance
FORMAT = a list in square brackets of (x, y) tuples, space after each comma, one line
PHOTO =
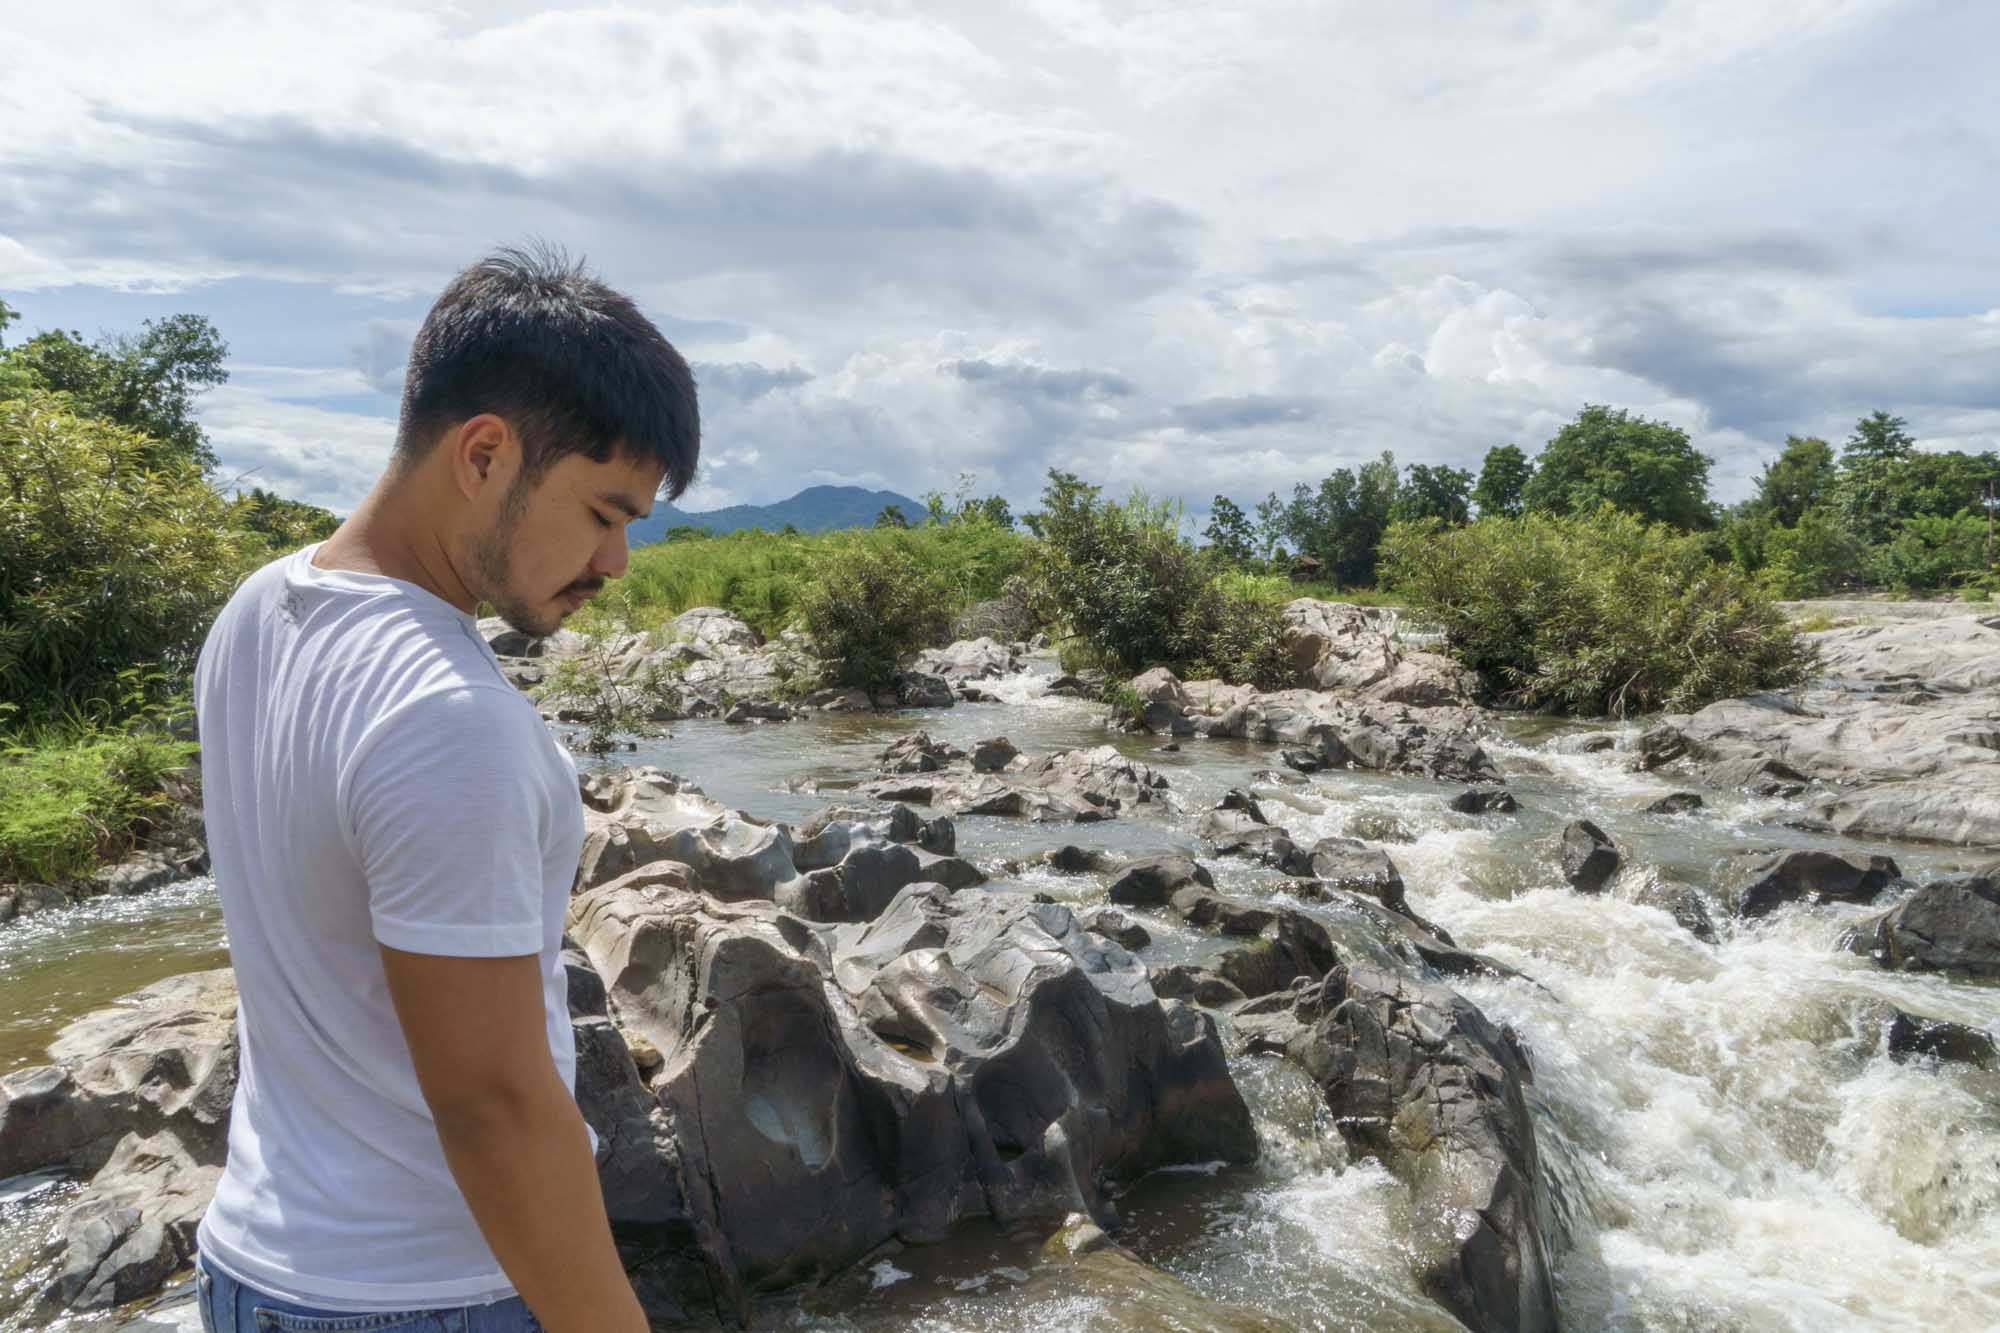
[(1348, 1006)]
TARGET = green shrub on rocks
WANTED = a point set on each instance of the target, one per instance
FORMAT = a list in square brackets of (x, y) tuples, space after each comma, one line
[(1601, 614), (69, 797), (866, 606), (1122, 579)]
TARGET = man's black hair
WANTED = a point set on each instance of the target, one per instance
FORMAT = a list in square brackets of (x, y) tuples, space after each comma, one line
[(528, 335)]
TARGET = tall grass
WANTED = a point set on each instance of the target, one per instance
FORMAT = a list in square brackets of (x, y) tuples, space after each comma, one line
[(758, 576), (72, 795)]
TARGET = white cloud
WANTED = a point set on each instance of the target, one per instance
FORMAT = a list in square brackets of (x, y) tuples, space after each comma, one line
[(1192, 246)]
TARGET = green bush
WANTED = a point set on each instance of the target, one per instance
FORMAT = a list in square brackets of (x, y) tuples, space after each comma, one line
[(1602, 614), (105, 561), (1818, 556), (70, 797), (1927, 553), (1122, 578), (866, 606)]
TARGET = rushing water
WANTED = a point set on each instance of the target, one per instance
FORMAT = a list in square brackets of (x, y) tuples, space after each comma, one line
[(1731, 1146)]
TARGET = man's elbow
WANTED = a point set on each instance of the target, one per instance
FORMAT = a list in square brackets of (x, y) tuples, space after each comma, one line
[(498, 1106)]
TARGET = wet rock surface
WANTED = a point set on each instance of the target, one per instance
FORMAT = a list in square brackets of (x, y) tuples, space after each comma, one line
[(1420, 1079), (1080, 786), (959, 1056), (1589, 859), (1761, 883), (1950, 926)]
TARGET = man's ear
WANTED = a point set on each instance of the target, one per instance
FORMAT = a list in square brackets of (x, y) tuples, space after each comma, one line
[(483, 451)]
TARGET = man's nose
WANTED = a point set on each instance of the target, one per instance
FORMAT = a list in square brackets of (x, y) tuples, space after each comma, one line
[(614, 553)]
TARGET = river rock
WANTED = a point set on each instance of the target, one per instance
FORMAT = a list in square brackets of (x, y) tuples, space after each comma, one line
[(712, 627), (1239, 833), (1589, 858), (1485, 801), (1952, 655), (1152, 881), (1291, 947), (1908, 1035), (918, 689), (1115, 925), (1074, 860), (993, 754), (1085, 1271), (918, 753), (1418, 1078), (1350, 864), (1232, 916), (1683, 902), (142, 873), (1164, 704), (1438, 743), (1179, 981), (833, 1088), (1079, 785), (1761, 882), (969, 660), (1950, 926), (812, 850), (1349, 648), (1676, 803)]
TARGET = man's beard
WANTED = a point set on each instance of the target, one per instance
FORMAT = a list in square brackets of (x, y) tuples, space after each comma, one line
[(492, 566)]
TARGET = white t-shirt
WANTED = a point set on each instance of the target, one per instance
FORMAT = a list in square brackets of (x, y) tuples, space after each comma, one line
[(368, 776)]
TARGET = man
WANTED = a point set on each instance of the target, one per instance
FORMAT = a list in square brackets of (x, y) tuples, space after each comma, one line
[(394, 833)]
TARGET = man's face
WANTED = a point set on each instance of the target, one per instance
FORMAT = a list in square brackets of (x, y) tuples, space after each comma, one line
[(554, 543)]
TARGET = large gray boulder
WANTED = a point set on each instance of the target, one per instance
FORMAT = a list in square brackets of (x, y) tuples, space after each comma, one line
[(969, 660), (649, 824), (1950, 926), (1335, 732), (834, 1088), (1956, 654), (713, 628), (1351, 649), (1080, 785), (1418, 1078)]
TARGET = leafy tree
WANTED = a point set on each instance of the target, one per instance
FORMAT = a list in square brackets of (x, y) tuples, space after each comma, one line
[(1443, 493), (891, 517), (109, 557), (147, 382), (1341, 523), (1271, 527), (1606, 456), (1928, 552), (1596, 614), (1802, 477), (8, 314), (994, 509), (1868, 464), (1817, 555), (1229, 532), (1502, 478), (1878, 437), (284, 525)]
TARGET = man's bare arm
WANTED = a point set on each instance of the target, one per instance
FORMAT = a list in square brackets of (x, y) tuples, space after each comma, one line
[(512, 1134)]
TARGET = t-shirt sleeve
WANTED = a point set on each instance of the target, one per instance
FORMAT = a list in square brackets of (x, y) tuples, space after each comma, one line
[(445, 809)]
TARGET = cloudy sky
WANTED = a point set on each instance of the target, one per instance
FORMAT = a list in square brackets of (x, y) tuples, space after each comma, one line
[(1196, 247)]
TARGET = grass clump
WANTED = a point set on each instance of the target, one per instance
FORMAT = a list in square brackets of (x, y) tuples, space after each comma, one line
[(1601, 614), (73, 796)]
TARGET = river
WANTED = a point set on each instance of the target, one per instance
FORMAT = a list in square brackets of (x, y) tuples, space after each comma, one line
[(1731, 1147)]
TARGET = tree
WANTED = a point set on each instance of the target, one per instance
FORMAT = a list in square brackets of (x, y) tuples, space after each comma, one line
[(1443, 493), (1640, 467), (1878, 437), (994, 509), (107, 561), (1502, 477), (1802, 477), (146, 382), (1229, 532), (8, 314), (1271, 527), (1341, 523), (891, 517)]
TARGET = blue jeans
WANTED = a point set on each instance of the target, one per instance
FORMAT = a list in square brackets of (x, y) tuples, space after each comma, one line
[(227, 1306)]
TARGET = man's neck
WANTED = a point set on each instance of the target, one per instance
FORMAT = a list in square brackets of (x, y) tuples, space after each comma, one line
[(384, 537)]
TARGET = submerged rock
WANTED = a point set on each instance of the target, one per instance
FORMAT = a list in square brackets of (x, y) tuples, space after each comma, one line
[(1950, 926), (1676, 803), (1485, 801), (1909, 1035), (1152, 881), (1418, 1078)]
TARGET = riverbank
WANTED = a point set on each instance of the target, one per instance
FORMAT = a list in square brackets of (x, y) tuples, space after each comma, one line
[(1727, 1128)]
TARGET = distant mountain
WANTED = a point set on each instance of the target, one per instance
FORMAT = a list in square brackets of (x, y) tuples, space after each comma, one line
[(815, 509)]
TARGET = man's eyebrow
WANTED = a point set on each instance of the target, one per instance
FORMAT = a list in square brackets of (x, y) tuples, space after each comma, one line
[(618, 501)]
